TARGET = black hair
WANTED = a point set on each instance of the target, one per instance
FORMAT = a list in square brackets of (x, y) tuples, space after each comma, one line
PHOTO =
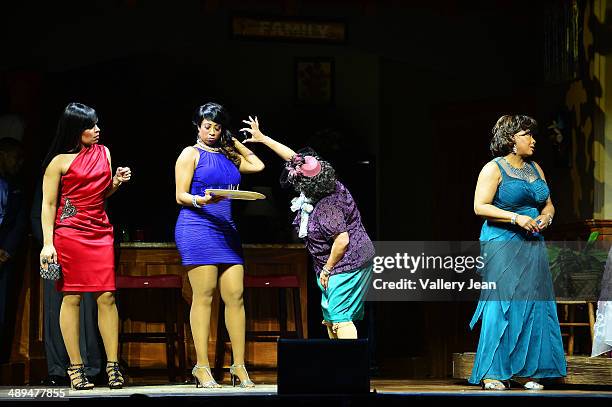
[(218, 114), (75, 119), (504, 130)]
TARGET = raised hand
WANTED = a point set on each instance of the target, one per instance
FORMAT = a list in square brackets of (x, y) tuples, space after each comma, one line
[(256, 135), (123, 174)]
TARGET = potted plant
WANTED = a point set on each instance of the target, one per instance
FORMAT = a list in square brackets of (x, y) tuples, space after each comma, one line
[(577, 273)]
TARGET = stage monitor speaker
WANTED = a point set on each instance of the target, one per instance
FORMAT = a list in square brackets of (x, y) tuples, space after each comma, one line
[(323, 366)]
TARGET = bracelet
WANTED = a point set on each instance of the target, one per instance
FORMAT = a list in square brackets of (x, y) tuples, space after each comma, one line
[(118, 185), (325, 271), (550, 218), (513, 219), (194, 201)]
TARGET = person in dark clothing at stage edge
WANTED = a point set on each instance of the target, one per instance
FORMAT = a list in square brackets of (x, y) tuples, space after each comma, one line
[(12, 228)]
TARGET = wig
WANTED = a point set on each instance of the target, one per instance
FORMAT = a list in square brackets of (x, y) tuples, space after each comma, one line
[(313, 187)]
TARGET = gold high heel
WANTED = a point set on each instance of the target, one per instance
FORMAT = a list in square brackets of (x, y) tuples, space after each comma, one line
[(78, 380), (243, 383), (211, 384)]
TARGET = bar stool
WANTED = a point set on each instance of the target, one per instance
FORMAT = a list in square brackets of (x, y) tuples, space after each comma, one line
[(569, 318), (280, 282), (169, 285)]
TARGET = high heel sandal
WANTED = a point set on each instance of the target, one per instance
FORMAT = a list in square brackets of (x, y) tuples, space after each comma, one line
[(78, 380), (492, 384), (211, 384), (243, 383), (115, 378)]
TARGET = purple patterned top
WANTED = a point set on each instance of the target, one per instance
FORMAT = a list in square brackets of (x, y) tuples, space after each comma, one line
[(332, 215)]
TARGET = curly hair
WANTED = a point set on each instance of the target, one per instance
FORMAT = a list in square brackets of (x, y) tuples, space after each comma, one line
[(218, 114), (319, 186), (504, 130)]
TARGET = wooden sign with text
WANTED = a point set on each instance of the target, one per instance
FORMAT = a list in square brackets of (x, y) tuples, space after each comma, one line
[(288, 29)]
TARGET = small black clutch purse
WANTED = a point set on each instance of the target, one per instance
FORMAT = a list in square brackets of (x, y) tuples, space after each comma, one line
[(53, 272)]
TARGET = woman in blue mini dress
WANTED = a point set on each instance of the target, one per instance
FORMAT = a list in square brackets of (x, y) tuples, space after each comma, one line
[(520, 337), (206, 235)]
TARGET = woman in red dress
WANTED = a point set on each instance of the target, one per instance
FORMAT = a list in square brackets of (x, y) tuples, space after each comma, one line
[(78, 235)]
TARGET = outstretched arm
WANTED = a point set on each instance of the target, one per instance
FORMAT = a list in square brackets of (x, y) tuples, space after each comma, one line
[(257, 136)]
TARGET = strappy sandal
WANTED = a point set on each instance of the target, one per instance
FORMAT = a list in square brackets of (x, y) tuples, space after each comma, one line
[(78, 379), (247, 382), (209, 384), (115, 377)]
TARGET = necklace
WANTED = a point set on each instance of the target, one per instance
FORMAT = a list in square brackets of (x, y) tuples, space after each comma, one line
[(525, 172), (207, 148)]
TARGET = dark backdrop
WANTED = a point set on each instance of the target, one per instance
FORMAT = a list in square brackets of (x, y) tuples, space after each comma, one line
[(417, 87)]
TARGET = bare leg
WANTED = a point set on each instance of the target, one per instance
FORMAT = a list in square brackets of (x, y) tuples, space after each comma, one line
[(108, 323), (232, 288), (203, 280), (346, 330), (69, 325)]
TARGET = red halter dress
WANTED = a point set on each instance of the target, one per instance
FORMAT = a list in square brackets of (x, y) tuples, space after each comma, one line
[(83, 236)]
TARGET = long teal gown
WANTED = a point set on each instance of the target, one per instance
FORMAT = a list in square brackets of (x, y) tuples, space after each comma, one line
[(520, 334)]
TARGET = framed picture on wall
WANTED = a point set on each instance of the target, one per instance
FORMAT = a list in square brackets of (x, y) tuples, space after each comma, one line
[(314, 81)]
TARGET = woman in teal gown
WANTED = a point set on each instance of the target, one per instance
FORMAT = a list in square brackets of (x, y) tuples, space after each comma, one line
[(520, 337)]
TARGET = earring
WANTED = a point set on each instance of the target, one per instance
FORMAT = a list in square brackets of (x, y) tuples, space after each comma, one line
[(514, 149)]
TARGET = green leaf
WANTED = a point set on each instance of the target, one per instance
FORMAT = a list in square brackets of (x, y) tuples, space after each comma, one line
[(592, 237)]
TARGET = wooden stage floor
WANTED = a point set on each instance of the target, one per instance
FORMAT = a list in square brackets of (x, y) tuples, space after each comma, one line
[(412, 387), (384, 392)]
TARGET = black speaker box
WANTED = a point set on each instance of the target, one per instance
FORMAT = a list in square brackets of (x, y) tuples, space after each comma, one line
[(323, 366)]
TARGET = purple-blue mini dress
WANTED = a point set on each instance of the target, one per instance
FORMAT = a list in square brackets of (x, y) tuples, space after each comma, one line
[(208, 235)]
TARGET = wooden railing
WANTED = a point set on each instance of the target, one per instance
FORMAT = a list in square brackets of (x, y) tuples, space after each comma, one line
[(28, 362)]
